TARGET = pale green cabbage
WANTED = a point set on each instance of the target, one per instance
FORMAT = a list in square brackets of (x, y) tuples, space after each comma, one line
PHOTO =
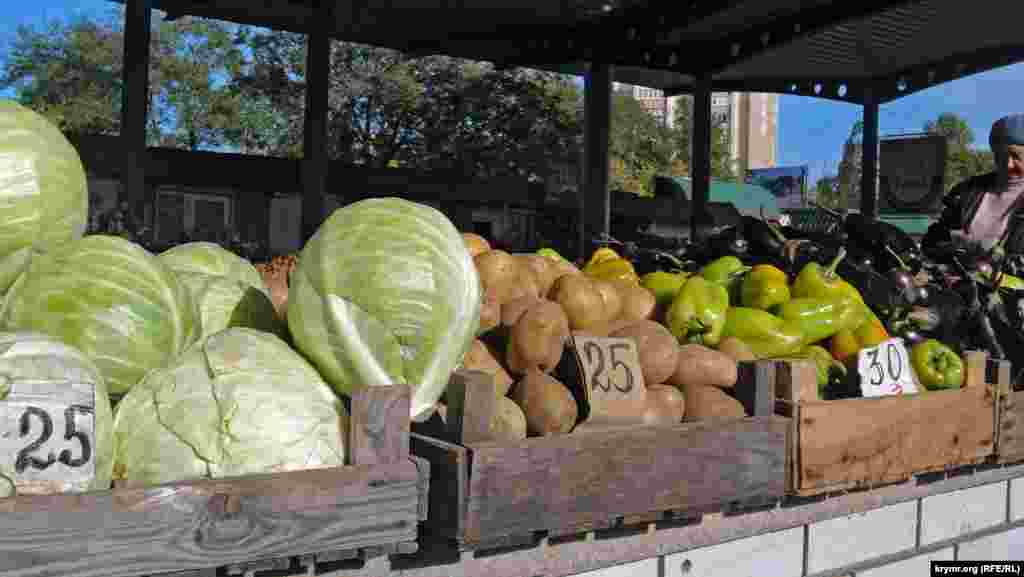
[(214, 260), (112, 300), (226, 290), (386, 293), (240, 402), (36, 357), (222, 302), (44, 198)]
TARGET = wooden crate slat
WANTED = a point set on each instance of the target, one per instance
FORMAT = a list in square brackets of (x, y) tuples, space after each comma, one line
[(449, 465), (202, 524), (579, 480)]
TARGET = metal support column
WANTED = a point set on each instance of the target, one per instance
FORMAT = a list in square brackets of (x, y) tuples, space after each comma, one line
[(595, 202), (869, 164), (700, 163), (315, 160), (134, 104)]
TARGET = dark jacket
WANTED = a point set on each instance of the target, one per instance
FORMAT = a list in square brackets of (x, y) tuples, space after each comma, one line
[(959, 207)]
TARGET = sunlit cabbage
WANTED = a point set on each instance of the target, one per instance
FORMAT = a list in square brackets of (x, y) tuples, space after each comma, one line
[(240, 402), (38, 358), (44, 199), (226, 290), (111, 299), (211, 259), (222, 302), (386, 293)]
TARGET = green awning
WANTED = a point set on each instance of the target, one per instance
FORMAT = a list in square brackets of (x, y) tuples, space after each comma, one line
[(912, 224), (749, 199)]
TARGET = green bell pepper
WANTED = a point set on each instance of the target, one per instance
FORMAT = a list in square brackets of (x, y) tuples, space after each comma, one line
[(725, 271), (815, 281), (1008, 281), (764, 287), (697, 314), (936, 365), (767, 335), (821, 318)]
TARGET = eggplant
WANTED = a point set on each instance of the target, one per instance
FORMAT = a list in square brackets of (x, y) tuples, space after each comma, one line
[(764, 241)]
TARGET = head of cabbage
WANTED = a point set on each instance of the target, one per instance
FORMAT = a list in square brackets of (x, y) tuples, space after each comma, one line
[(386, 293), (239, 402), (226, 290), (33, 357), (109, 298), (44, 198)]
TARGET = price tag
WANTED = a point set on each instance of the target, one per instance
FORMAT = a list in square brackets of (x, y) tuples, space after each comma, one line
[(613, 384), (886, 370), (47, 436)]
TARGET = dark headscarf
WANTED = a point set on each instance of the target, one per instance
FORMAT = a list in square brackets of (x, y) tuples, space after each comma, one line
[(1008, 130)]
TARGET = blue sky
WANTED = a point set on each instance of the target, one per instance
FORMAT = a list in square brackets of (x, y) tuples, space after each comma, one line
[(811, 131)]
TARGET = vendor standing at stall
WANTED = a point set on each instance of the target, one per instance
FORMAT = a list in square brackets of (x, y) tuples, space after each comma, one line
[(987, 210)]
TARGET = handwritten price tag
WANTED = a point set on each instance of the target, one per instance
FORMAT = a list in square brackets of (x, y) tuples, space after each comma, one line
[(886, 370), (610, 370), (48, 436)]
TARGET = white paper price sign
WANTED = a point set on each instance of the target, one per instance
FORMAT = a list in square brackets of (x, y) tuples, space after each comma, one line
[(47, 436), (886, 370), (610, 370)]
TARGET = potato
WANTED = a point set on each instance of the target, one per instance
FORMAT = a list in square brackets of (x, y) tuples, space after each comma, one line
[(475, 243), (638, 303), (611, 298), (548, 405), (480, 358), (657, 349), (537, 339), (582, 301), (529, 283), (665, 405), (508, 422), (514, 309), (698, 365), (545, 270), (707, 402), (604, 329), (490, 312), (737, 349), (499, 274)]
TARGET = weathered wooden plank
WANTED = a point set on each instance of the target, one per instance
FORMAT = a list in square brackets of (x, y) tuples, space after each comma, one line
[(449, 467), (423, 470), (210, 523), (471, 405), (888, 439), (755, 387), (581, 479), (379, 430)]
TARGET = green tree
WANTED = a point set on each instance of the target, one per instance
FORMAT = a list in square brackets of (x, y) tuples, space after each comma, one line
[(639, 146), (722, 167), (827, 192), (962, 159)]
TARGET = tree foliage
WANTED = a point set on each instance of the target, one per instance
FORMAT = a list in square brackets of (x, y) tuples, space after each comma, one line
[(962, 159)]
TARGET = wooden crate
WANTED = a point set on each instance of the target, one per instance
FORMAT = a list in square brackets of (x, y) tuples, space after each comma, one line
[(371, 507), (487, 494), (867, 442), (1010, 429)]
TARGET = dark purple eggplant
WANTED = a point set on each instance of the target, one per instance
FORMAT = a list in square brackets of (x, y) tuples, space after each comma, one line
[(763, 239)]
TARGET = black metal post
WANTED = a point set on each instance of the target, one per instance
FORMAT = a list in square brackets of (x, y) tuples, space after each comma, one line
[(869, 164), (315, 160), (134, 104), (595, 202), (700, 163)]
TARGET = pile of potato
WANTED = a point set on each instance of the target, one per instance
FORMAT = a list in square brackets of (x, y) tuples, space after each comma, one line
[(533, 304)]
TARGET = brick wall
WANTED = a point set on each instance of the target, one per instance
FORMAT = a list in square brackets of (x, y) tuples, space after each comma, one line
[(984, 522)]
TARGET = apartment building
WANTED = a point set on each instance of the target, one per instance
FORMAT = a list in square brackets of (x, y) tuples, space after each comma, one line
[(752, 120)]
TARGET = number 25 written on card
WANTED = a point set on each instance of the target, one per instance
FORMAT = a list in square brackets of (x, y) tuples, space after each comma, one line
[(610, 370)]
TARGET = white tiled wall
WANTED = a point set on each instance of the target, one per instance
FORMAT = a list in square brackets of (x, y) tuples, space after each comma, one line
[(951, 515), (779, 554), (920, 565), (847, 540), (860, 540), (1007, 546)]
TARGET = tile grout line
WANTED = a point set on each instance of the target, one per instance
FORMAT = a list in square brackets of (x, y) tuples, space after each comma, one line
[(807, 550), (920, 523)]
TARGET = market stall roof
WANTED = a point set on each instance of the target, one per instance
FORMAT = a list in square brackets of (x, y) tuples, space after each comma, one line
[(826, 48)]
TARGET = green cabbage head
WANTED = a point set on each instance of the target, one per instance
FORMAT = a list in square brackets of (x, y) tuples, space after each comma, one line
[(44, 199), (109, 298), (386, 293), (240, 402), (226, 290), (35, 357)]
